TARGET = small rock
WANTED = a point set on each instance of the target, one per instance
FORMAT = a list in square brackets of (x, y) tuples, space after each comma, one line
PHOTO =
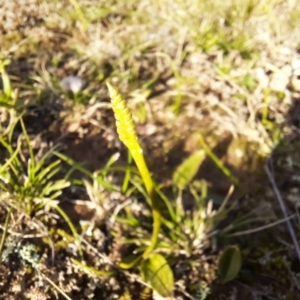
[(295, 199), (279, 82), (287, 70), (262, 77), (296, 64)]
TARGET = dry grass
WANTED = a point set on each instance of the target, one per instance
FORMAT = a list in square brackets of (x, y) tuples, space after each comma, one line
[(224, 70)]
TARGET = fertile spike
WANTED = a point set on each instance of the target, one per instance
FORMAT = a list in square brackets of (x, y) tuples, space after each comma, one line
[(124, 121), (128, 136)]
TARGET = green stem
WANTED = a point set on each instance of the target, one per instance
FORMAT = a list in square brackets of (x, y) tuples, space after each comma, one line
[(127, 134), (3, 238), (156, 214)]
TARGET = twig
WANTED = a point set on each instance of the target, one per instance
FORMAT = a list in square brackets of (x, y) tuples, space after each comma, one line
[(281, 203), (55, 286), (260, 228)]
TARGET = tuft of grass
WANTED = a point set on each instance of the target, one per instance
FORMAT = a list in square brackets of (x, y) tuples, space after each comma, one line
[(30, 181)]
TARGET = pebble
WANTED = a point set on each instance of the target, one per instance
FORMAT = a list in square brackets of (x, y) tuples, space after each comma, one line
[(279, 81)]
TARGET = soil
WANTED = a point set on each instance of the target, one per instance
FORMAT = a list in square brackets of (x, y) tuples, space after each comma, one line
[(42, 260)]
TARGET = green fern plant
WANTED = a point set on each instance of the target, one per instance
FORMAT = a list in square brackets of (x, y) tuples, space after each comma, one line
[(127, 134), (154, 268)]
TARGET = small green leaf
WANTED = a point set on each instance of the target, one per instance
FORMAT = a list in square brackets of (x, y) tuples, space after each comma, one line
[(230, 263), (129, 261), (188, 169), (7, 88), (92, 270), (157, 273), (249, 82)]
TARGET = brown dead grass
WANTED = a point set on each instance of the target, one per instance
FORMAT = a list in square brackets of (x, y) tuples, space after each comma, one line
[(221, 60)]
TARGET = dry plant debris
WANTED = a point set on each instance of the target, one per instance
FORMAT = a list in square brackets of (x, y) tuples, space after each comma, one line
[(224, 71)]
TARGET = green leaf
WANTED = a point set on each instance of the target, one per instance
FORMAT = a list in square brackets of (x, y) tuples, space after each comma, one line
[(188, 169), (7, 88), (129, 261), (157, 273), (230, 263), (249, 82), (92, 270)]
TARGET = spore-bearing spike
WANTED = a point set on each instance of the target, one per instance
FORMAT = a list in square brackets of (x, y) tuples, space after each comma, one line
[(124, 122)]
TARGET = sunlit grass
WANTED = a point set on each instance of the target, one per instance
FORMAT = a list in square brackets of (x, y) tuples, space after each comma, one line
[(185, 68)]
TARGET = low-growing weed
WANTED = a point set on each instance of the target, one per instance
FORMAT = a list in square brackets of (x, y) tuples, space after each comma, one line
[(29, 179), (180, 232)]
